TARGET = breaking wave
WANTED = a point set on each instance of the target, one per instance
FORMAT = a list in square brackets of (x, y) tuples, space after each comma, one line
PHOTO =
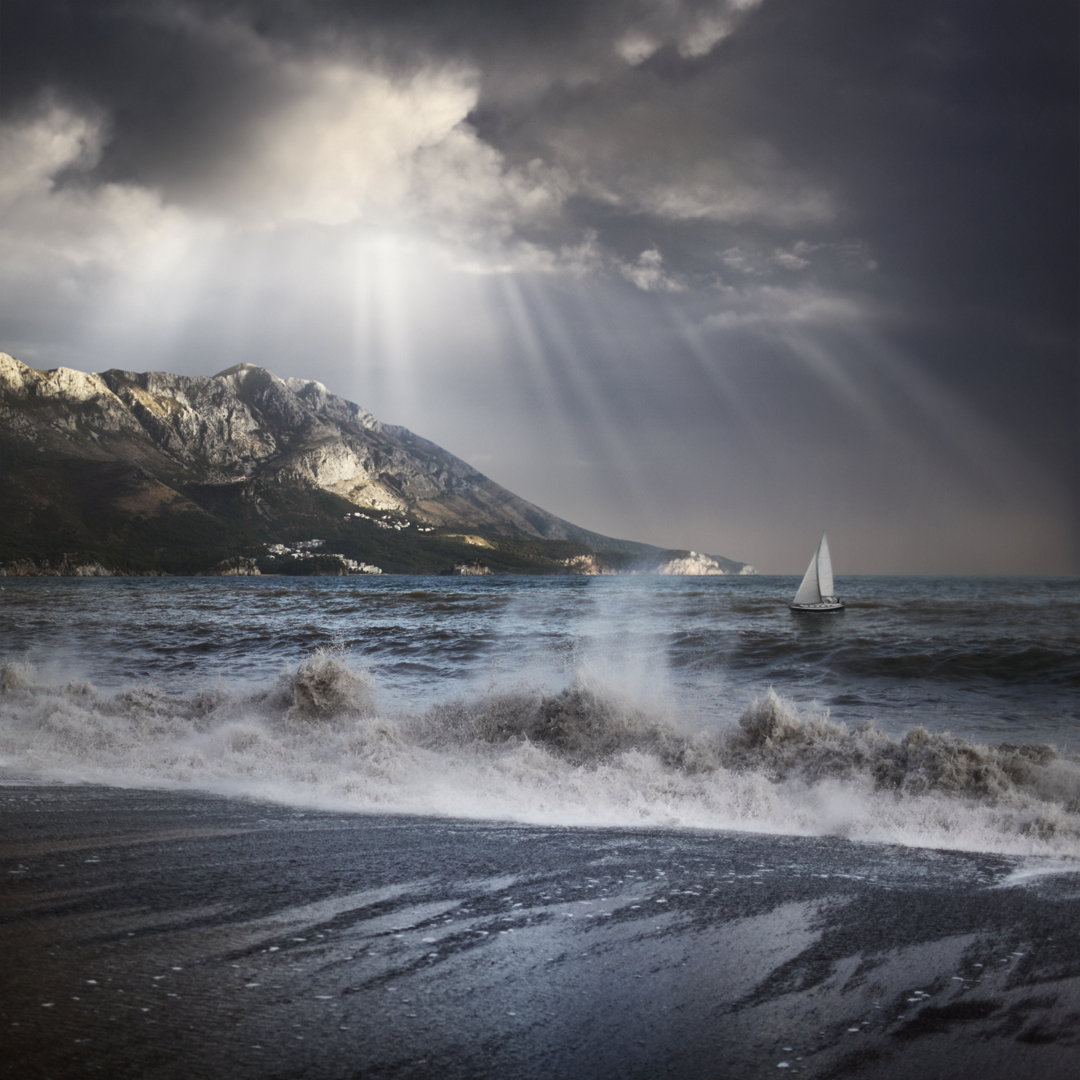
[(583, 755)]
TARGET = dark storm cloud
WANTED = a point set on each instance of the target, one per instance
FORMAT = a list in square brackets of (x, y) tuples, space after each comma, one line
[(179, 78), (948, 131), (940, 136), (947, 134)]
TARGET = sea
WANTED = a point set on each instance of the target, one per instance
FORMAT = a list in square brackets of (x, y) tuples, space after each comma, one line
[(933, 712)]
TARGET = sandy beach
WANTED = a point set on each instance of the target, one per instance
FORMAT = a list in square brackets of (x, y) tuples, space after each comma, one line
[(157, 934)]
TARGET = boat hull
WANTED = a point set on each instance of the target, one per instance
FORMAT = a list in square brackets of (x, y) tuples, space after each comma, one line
[(823, 606)]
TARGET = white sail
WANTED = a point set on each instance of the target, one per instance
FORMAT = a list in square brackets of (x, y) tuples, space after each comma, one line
[(817, 583), (824, 568), (809, 593)]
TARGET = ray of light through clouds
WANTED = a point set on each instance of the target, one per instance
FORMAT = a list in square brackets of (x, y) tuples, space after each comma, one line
[(708, 273)]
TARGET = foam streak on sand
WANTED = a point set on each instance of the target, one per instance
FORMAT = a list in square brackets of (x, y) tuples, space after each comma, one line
[(582, 755)]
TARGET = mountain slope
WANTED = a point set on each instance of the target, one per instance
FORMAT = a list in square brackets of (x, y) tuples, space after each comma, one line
[(175, 473)]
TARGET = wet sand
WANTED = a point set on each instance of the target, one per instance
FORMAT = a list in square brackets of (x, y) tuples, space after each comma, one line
[(156, 934)]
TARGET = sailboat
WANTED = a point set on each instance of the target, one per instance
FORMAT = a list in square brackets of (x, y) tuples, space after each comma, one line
[(816, 591)]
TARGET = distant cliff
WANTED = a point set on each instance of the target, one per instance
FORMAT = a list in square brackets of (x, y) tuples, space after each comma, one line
[(246, 472)]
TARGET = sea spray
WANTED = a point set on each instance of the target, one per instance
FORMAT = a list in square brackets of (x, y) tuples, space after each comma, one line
[(582, 755), (777, 741), (325, 688), (579, 724)]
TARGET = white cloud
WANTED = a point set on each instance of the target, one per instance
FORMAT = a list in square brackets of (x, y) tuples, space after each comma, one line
[(736, 259), (704, 35), (345, 147), (648, 273), (728, 198), (51, 229), (778, 306), (636, 46), (38, 147), (851, 257), (343, 144), (793, 258), (692, 31), (340, 140), (463, 188), (585, 258)]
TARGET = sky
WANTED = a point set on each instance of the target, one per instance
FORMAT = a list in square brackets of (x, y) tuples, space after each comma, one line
[(710, 274)]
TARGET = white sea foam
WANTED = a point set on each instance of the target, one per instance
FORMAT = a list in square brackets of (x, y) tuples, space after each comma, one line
[(584, 755)]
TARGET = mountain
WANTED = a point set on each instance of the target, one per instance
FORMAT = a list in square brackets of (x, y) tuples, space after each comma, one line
[(243, 471)]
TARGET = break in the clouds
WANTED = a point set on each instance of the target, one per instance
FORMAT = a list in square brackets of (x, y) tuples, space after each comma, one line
[(712, 273)]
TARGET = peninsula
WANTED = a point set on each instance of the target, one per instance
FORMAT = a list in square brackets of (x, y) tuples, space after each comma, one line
[(244, 472)]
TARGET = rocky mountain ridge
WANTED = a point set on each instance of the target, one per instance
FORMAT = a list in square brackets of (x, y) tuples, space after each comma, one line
[(154, 472)]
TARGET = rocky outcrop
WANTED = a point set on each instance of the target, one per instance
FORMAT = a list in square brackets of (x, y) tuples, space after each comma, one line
[(65, 566), (693, 563), (238, 566)]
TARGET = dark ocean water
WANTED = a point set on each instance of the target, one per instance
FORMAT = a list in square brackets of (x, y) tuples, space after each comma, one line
[(933, 711)]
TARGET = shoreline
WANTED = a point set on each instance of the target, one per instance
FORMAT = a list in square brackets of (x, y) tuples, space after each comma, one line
[(168, 934)]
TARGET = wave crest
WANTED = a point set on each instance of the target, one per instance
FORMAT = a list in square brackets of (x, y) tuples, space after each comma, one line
[(16, 676), (325, 688), (578, 724), (582, 755), (775, 739)]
